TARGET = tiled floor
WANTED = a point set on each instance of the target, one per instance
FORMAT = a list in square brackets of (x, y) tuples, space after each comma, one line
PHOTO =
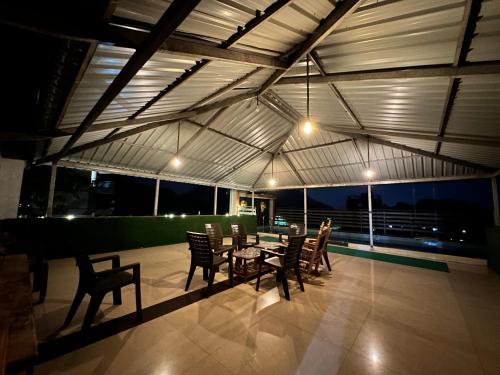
[(365, 317)]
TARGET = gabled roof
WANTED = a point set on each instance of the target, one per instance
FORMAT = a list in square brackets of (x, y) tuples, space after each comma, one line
[(416, 81)]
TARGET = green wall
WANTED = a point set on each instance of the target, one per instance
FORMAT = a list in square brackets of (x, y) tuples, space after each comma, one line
[(60, 236)]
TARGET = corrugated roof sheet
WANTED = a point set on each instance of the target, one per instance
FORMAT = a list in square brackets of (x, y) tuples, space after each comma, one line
[(240, 142)]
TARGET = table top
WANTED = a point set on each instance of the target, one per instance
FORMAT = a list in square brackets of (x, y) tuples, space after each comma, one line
[(16, 307), (248, 253), (268, 245)]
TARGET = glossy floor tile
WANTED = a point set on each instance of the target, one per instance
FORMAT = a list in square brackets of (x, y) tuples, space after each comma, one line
[(363, 317)]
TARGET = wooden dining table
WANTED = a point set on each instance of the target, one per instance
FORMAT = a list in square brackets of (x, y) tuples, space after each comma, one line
[(19, 341)]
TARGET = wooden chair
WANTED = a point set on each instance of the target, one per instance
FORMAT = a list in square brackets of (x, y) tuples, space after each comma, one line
[(325, 225), (284, 262), (241, 236), (216, 237), (312, 252), (98, 284), (203, 256), (294, 229)]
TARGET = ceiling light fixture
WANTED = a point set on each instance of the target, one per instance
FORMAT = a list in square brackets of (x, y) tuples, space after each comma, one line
[(176, 161), (308, 124), (369, 172), (257, 109)]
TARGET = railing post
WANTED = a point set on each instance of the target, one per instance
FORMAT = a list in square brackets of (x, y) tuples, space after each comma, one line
[(52, 186), (157, 194), (305, 210), (370, 218), (215, 199), (496, 206)]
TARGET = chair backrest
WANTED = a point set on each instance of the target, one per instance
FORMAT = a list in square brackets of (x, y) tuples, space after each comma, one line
[(292, 252), (296, 229), (85, 268), (238, 229), (201, 250), (214, 232)]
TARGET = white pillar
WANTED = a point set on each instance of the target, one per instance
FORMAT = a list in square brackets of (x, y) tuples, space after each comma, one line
[(271, 212), (305, 210), (215, 199), (11, 179), (370, 218), (157, 194), (233, 202), (254, 211), (52, 187), (496, 206)]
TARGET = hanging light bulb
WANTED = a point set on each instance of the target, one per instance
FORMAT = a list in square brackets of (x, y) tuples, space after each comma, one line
[(369, 173), (257, 109), (308, 124), (272, 180), (176, 161)]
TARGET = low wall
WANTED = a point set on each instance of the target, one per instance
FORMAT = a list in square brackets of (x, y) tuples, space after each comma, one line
[(60, 236), (493, 238)]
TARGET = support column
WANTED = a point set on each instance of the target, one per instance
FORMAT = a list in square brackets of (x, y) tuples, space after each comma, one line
[(157, 194), (370, 218), (254, 211), (305, 210), (215, 199), (496, 206), (52, 187)]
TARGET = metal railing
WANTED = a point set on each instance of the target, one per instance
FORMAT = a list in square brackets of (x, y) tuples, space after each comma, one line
[(448, 226)]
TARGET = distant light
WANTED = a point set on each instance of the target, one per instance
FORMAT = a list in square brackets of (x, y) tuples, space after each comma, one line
[(227, 214), (70, 217), (434, 229), (369, 173), (461, 240), (423, 228), (176, 162), (183, 216), (171, 216), (273, 182), (464, 231), (390, 225), (308, 127)]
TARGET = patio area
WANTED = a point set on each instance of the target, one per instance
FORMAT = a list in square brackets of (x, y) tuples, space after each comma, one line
[(364, 317)]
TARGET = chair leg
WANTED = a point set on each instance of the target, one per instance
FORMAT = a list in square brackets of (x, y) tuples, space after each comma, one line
[(205, 273), (299, 278), (117, 296), (138, 303), (327, 261), (258, 276), (80, 293), (230, 260), (95, 302), (284, 281), (190, 276), (211, 277)]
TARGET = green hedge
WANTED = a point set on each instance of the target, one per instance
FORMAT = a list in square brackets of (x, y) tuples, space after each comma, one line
[(60, 237)]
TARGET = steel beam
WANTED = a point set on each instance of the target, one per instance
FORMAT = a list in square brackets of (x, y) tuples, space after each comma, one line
[(155, 122), (168, 23), (432, 71), (472, 9), (317, 62), (292, 168), (52, 188), (195, 136), (325, 28), (400, 133)]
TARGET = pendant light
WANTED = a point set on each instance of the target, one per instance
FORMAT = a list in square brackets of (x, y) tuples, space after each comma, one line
[(176, 161), (308, 126), (257, 109), (369, 172), (272, 181)]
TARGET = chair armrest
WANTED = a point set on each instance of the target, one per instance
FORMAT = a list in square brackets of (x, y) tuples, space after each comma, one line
[(136, 267)]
